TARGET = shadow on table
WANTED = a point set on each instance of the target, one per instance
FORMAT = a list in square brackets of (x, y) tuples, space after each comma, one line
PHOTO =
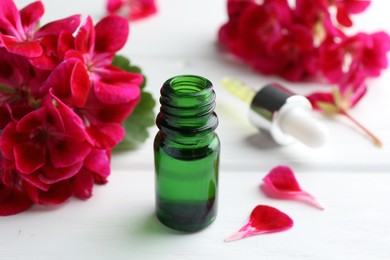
[(261, 140), (149, 227)]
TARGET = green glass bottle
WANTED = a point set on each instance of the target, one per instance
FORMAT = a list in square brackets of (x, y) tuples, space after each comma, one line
[(186, 154)]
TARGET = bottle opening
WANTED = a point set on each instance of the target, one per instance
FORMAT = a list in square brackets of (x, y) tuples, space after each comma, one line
[(187, 96), (189, 84)]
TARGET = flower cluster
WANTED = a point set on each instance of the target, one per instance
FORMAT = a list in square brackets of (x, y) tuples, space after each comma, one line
[(304, 41), (307, 41), (132, 9), (62, 104)]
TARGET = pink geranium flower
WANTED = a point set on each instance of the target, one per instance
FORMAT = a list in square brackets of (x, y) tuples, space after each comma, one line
[(132, 9), (114, 93), (95, 47), (19, 33), (42, 144), (18, 28), (39, 156)]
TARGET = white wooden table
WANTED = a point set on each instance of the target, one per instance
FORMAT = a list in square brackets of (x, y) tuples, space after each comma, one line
[(349, 175)]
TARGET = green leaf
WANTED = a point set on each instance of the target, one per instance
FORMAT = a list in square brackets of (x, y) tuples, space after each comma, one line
[(125, 64), (136, 125)]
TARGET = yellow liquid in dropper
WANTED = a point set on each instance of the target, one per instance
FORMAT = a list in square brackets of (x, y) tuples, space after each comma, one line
[(239, 89)]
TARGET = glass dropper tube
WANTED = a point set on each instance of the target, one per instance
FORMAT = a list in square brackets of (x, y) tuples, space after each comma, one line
[(239, 89), (285, 115)]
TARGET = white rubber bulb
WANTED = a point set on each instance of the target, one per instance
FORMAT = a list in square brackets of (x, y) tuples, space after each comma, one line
[(301, 125)]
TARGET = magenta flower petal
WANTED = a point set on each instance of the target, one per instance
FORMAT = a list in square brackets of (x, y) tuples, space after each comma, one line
[(343, 17), (69, 24), (281, 183), (31, 14), (29, 157), (73, 92), (80, 85), (106, 135), (113, 113), (64, 44), (31, 49), (9, 17), (9, 138), (82, 184), (16, 73), (132, 9), (34, 181), (144, 9), (114, 5), (60, 88), (263, 219), (63, 152), (114, 86), (34, 120), (353, 6), (85, 38), (120, 75), (378, 44), (98, 162), (116, 92), (57, 193), (73, 54), (282, 178), (5, 117), (72, 123), (13, 201), (111, 34), (50, 174)]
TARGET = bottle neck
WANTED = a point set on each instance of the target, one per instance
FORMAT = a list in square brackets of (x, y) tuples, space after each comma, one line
[(187, 109)]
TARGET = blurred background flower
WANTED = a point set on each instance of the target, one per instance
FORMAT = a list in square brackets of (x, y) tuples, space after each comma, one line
[(306, 40)]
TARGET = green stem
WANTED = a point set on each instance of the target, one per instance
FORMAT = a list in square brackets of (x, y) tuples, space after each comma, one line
[(375, 139)]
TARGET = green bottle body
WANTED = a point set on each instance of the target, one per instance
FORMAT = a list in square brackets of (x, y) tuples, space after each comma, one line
[(186, 154)]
